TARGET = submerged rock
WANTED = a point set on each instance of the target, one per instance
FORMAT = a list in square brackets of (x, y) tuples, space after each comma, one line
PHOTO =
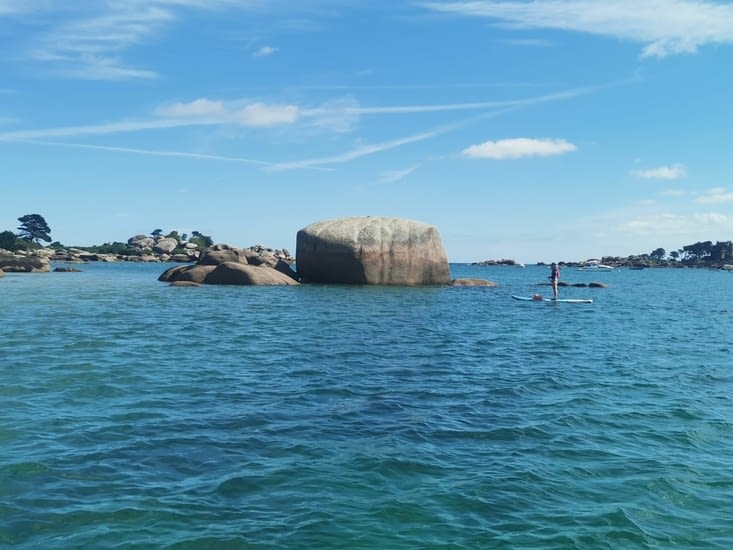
[(467, 281), (185, 284)]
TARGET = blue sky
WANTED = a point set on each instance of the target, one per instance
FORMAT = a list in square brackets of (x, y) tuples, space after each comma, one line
[(538, 131)]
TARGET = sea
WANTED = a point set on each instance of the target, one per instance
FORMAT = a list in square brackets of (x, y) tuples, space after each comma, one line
[(137, 415)]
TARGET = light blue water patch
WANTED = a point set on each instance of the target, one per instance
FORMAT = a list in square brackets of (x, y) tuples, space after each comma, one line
[(140, 415)]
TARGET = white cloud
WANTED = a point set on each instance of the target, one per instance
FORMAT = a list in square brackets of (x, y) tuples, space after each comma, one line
[(519, 147), (201, 107), (259, 114), (678, 225), (664, 27), (673, 172), (338, 116), (264, 51), (200, 112), (254, 115), (715, 196)]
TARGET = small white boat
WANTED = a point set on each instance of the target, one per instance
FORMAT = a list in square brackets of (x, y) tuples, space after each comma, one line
[(594, 265)]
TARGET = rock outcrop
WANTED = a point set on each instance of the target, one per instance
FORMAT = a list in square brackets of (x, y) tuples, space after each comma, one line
[(235, 273), (142, 248), (468, 281), (225, 265), (24, 263), (141, 241), (165, 245), (373, 251)]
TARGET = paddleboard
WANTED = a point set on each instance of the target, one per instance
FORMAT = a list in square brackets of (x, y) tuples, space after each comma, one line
[(561, 300)]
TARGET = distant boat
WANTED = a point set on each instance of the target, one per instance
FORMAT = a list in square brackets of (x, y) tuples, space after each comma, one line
[(594, 265)]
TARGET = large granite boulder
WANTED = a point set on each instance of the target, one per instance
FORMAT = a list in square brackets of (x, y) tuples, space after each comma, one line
[(227, 273), (189, 273), (141, 241), (235, 273), (165, 245), (18, 263), (371, 250), (220, 253), (222, 264)]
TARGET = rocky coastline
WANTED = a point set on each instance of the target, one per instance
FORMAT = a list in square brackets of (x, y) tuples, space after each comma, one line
[(140, 248), (427, 258), (361, 250), (630, 262), (39, 261)]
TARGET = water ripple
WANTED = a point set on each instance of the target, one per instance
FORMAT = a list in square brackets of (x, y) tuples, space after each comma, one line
[(354, 417)]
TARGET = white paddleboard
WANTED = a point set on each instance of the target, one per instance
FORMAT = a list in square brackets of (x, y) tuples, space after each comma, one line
[(561, 300)]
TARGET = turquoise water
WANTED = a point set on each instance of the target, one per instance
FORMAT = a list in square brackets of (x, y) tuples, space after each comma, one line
[(139, 415)]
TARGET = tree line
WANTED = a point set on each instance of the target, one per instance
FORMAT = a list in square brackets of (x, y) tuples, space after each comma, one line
[(701, 252), (33, 229)]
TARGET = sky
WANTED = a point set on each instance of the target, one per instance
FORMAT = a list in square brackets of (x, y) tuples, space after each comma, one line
[(528, 130)]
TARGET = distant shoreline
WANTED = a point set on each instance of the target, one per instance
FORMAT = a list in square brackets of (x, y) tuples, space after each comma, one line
[(632, 262), (108, 253)]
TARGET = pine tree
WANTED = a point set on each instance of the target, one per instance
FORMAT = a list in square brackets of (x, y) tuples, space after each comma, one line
[(34, 228)]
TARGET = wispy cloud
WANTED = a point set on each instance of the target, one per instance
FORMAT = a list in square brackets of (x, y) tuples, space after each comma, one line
[(664, 27), (358, 152), (264, 51), (672, 172), (396, 175), (89, 40), (716, 195), (98, 129), (518, 148), (336, 115), (530, 42), (149, 152), (356, 109), (89, 46), (201, 112)]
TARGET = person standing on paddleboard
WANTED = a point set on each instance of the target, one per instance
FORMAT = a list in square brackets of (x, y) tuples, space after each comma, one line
[(554, 278)]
